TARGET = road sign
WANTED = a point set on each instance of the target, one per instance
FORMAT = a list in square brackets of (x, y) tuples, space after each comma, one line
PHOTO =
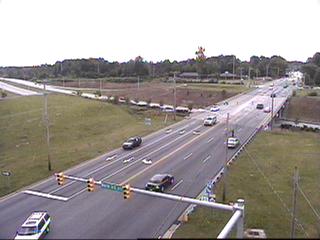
[(6, 173), (112, 187)]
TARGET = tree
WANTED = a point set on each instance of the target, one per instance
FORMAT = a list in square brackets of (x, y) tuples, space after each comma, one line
[(200, 59)]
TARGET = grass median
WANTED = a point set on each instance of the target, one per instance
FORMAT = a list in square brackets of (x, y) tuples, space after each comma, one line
[(276, 154), (80, 129)]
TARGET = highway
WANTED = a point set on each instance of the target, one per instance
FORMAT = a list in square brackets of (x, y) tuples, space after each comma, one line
[(17, 90), (191, 158)]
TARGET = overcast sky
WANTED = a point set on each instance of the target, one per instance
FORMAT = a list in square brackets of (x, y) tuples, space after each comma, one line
[(34, 32)]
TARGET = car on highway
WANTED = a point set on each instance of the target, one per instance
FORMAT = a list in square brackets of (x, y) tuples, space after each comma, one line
[(233, 142), (36, 226), (132, 143), (267, 110), (215, 109), (159, 182), (260, 106), (210, 121)]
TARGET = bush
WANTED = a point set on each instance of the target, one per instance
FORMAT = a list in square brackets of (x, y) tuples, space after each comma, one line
[(223, 82), (3, 94), (313, 94), (223, 92), (294, 93), (190, 106)]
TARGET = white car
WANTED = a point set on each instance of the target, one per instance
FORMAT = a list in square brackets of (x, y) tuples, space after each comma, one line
[(233, 142), (215, 109), (147, 161), (36, 226), (210, 121), (267, 110), (128, 160)]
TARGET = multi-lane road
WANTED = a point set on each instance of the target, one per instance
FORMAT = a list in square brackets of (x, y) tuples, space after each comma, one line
[(191, 158)]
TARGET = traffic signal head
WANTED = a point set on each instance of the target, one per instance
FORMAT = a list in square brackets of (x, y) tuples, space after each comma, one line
[(126, 191), (91, 185), (60, 178)]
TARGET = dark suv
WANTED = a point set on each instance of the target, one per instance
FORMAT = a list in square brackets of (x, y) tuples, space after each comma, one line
[(260, 106), (132, 143), (159, 182)]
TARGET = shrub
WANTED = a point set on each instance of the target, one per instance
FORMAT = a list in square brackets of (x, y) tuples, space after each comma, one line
[(190, 106), (313, 94), (3, 94)]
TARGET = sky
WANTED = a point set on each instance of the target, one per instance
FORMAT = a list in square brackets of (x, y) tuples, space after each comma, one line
[(34, 32)]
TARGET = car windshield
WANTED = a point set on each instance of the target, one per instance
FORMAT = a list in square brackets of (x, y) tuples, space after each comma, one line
[(157, 179), (27, 231), (131, 140)]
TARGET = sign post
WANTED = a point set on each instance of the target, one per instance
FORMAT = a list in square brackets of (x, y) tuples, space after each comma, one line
[(7, 174)]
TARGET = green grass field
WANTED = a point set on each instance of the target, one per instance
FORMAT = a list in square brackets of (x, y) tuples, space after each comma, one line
[(276, 154), (80, 129)]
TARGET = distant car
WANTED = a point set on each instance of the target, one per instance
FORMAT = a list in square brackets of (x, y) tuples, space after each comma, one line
[(267, 110), (233, 142), (159, 182), (210, 121), (132, 143), (36, 226), (260, 106), (215, 109)]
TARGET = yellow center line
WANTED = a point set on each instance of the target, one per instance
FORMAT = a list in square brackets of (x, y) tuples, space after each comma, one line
[(167, 156)]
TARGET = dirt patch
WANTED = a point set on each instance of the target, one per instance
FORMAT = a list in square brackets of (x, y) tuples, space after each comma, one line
[(303, 108), (158, 92)]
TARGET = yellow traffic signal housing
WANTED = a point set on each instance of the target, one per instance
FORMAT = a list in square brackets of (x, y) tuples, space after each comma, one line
[(126, 191), (91, 185), (60, 178)]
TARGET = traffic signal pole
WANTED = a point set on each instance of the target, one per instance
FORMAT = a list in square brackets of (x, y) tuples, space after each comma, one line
[(237, 218)]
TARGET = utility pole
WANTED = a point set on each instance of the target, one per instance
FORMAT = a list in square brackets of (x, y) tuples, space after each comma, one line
[(224, 193), (272, 103), (46, 120), (233, 67), (175, 97), (294, 202)]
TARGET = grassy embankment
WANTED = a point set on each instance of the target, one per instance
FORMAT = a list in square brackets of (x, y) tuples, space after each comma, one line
[(80, 129), (303, 107), (276, 153)]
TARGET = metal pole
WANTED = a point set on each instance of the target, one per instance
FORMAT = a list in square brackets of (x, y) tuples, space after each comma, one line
[(186, 199), (175, 97), (224, 193), (295, 183), (233, 67), (46, 119), (272, 103), (237, 218)]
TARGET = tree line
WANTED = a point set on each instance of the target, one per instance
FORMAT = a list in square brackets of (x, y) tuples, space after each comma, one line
[(275, 66)]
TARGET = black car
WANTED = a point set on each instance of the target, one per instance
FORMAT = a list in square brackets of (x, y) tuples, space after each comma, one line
[(132, 143), (260, 106), (159, 182)]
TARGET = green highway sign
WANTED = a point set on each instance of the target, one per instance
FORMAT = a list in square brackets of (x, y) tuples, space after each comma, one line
[(112, 187)]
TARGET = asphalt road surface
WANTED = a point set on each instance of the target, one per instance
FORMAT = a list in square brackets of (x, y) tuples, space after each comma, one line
[(191, 158), (17, 90)]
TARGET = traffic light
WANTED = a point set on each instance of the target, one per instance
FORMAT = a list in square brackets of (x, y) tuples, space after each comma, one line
[(91, 185), (126, 191), (60, 178)]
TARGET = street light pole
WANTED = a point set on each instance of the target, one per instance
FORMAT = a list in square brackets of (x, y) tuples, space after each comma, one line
[(224, 193)]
